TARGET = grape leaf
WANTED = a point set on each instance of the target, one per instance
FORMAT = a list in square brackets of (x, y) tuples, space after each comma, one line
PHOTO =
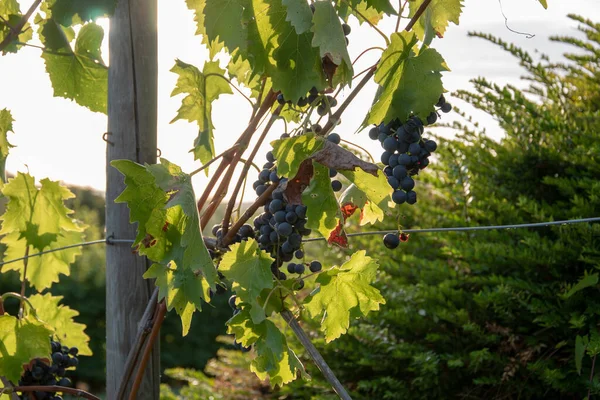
[(438, 15), (21, 340), (201, 89), (162, 202), (249, 269), (581, 343), (411, 83), (274, 359), (10, 12), (38, 218), (60, 318), (291, 152), (257, 31), (365, 10), (6, 121), (69, 12), (344, 292), (353, 198), (376, 188), (299, 15), (544, 3), (323, 213), (330, 39), (78, 74), (585, 282)]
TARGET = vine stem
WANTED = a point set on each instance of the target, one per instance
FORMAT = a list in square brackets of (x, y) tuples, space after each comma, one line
[(158, 320), (143, 330), (260, 201), (366, 51), (232, 163), (8, 389), (54, 389), (417, 15), (336, 115), (243, 174), (315, 355), (223, 154), (24, 281), (22, 299), (16, 31)]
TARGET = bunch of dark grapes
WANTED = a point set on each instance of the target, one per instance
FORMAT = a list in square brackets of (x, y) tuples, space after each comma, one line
[(42, 374), (406, 152)]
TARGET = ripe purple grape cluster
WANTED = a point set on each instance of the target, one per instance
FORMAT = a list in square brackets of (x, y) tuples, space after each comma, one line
[(280, 227), (406, 152), (42, 374)]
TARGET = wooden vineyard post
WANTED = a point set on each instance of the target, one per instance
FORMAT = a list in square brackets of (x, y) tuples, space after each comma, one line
[(132, 121)]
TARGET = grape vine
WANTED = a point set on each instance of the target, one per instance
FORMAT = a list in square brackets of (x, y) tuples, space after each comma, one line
[(292, 63)]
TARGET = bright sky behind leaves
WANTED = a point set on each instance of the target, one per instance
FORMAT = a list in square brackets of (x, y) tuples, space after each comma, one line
[(58, 139)]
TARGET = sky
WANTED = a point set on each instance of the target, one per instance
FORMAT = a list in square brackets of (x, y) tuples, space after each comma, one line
[(58, 139)]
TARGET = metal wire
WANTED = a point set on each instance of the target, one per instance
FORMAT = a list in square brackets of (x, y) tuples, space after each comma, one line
[(470, 228), (109, 240)]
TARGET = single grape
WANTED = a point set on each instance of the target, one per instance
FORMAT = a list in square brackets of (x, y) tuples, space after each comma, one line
[(374, 133), (432, 118), (400, 172), (336, 185), (280, 99), (315, 266), (291, 268), (270, 157), (334, 138), (394, 183), (322, 110), (66, 382), (302, 102), (446, 107), (430, 145), (411, 197), (301, 211), (404, 159), (414, 148), (407, 183), (332, 172), (390, 144), (299, 254), (399, 196), (299, 284), (275, 206), (391, 240), (385, 157), (393, 160), (273, 177), (346, 28), (299, 268), (261, 189), (284, 229), (441, 101)]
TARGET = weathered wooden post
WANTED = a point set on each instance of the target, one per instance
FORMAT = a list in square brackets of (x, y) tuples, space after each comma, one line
[(132, 120)]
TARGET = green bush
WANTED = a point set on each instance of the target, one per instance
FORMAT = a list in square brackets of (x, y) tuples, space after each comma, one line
[(505, 314)]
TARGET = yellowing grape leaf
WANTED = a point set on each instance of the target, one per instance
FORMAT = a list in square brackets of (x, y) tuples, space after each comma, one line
[(376, 188), (352, 199), (410, 83), (438, 14), (21, 340), (11, 16), (60, 318), (323, 213), (36, 218), (78, 74), (291, 152), (6, 121), (371, 10), (162, 202), (249, 269), (344, 292), (274, 359), (201, 89)]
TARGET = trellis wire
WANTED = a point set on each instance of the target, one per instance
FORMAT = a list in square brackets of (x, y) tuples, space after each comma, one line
[(110, 240)]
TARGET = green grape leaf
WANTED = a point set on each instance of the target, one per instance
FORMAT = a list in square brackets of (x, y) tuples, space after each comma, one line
[(162, 201), (274, 359), (36, 218), (411, 83), (69, 12), (376, 188), (6, 121), (249, 269), (60, 318), (323, 213), (258, 31), (365, 10), (299, 15), (291, 152), (21, 340), (438, 15), (344, 292), (78, 74), (330, 39), (352, 199), (44, 270), (201, 89), (11, 16), (241, 70)]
